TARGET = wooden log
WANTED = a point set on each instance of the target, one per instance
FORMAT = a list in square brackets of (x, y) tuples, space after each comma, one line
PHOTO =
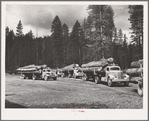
[(134, 71), (136, 64), (30, 68), (101, 63)]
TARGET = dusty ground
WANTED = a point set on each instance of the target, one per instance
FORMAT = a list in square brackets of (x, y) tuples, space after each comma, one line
[(69, 93)]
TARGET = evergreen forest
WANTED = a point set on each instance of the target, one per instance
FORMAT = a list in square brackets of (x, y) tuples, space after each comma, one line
[(92, 39)]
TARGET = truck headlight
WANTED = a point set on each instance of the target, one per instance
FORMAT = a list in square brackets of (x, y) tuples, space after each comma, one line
[(125, 76)]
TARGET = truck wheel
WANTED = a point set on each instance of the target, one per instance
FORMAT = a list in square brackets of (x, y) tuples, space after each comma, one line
[(109, 82), (140, 89), (96, 78), (34, 77), (54, 78), (69, 75), (75, 76), (84, 77), (46, 78), (126, 83), (24, 77)]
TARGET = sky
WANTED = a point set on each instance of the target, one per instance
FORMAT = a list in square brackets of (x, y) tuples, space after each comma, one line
[(38, 18)]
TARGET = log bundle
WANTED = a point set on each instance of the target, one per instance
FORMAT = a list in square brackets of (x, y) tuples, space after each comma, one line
[(134, 71), (70, 67), (30, 68), (96, 66), (136, 64), (136, 68), (101, 63)]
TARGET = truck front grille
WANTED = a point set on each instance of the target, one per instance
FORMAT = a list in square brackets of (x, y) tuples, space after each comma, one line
[(119, 75)]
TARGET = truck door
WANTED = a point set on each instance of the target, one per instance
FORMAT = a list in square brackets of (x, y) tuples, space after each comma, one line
[(43, 73), (106, 73)]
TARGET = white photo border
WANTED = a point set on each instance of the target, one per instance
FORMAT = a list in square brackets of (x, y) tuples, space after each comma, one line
[(67, 114)]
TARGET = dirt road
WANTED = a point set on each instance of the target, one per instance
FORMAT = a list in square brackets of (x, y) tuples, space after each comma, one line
[(69, 93)]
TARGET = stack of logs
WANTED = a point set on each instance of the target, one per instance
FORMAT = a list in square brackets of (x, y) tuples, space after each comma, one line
[(136, 68)]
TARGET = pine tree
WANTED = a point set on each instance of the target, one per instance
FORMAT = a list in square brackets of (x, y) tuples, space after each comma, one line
[(19, 29), (29, 48), (20, 44), (57, 38), (74, 43), (136, 20), (48, 52), (65, 43), (120, 36), (102, 20), (9, 52)]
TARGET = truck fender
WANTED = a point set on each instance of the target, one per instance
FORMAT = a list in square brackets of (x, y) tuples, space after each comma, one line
[(95, 72), (126, 76), (45, 75), (111, 76)]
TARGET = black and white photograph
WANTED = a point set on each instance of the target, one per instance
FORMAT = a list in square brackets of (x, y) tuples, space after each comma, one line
[(74, 60)]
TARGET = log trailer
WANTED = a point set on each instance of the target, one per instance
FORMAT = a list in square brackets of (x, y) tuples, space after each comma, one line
[(136, 75), (59, 73), (104, 71), (72, 70), (37, 72)]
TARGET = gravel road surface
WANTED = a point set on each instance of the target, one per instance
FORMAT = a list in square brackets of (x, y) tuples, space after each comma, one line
[(69, 93)]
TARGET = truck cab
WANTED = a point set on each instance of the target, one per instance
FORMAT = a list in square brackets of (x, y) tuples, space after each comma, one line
[(77, 72), (112, 74), (60, 73), (45, 73), (48, 73)]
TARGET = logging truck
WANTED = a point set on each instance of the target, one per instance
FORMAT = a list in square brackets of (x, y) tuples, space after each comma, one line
[(104, 71), (37, 72), (59, 73), (136, 75), (72, 70)]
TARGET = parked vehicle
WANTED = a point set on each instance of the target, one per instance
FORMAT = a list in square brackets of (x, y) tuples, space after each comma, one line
[(59, 73), (106, 71), (69, 70), (136, 75), (37, 72), (77, 72)]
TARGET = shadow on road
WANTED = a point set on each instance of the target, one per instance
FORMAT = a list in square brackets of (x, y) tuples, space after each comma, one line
[(134, 90), (96, 105), (114, 84), (9, 104)]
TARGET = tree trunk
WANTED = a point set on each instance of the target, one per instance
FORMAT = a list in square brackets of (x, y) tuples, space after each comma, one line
[(80, 57)]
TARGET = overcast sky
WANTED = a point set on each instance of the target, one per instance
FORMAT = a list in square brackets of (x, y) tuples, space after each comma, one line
[(41, 17)]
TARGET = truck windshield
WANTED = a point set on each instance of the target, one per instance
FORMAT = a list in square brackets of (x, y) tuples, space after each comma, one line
[(114, 68)]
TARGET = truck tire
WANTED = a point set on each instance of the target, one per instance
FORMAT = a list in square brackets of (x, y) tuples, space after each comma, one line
[(96, 79), (140, 89), (74, 76), (24, 77), (126, 83), (54, 78), (109, 82), (34, 77), (69, 75), (84, 77), (45, 78)]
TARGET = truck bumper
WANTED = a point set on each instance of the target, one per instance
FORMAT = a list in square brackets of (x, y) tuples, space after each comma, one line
[(120, 80), (79, 74)]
